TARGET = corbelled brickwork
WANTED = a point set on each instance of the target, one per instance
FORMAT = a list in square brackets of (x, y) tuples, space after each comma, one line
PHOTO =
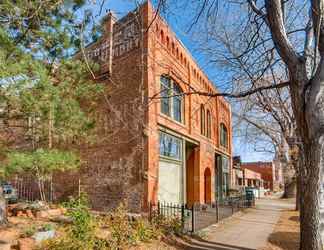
[(123, 164)]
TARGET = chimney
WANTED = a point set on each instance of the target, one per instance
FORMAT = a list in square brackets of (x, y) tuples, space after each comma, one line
[(109, 29)]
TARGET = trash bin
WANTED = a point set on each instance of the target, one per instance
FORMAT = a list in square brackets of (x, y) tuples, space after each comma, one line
[(249, 194)]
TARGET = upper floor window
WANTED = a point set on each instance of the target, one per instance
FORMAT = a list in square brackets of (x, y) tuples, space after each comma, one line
[(202, 119), (208, 124), (223, 135), (171, 99)]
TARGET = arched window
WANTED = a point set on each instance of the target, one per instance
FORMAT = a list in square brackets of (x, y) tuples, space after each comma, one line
[(172, 102), (202, 119), (208, 124), (223, 135), (177, 102)]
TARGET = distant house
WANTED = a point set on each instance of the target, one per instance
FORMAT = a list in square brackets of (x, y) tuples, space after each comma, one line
[(270, 174), (244, 177)]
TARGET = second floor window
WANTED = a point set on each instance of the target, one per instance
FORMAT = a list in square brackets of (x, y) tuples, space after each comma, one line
[(202, 119), (208, 124), (171, 99), (223, 135)]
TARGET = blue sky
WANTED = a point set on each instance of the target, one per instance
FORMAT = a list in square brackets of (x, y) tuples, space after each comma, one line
[(180, 26)]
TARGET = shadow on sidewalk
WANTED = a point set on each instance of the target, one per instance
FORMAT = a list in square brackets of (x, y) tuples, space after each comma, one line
[(198, 243), (285, 240)]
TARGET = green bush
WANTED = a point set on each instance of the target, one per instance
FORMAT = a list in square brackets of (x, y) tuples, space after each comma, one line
[(81, 233), (122, 231), (168, 225), (29, 231), (126, 231)]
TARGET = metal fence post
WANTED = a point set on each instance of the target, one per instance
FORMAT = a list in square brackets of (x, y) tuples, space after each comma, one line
[(182, 217), (232, 204), (158, 207), (150, 211), (217, 211), (193, 218)]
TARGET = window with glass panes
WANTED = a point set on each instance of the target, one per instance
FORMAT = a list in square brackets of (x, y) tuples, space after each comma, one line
[(223, 135), (171, 99), (208, 124), (170, 146), (202, 119)]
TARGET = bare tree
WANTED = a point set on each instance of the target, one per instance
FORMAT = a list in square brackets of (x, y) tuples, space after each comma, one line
[(266, 121), (278, 34)]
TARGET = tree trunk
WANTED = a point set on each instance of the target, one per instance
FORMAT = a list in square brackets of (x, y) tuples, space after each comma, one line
[(290, 182), (312, 170), (311, 196), (290, 189), (3, 209), (297, 205)]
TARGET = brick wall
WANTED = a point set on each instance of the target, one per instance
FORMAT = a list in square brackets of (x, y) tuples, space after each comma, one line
[(122, 163), (266, 170)]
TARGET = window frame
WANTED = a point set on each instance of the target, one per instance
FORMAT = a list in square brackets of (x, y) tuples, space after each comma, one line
[(202, 120), (174, 139), (172, 90), (223, 135), (209, 124)]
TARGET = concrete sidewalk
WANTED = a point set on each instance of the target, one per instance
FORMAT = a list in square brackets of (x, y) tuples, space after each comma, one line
[(245, 231)]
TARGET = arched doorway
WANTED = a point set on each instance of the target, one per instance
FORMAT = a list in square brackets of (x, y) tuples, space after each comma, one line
[(207, 185)]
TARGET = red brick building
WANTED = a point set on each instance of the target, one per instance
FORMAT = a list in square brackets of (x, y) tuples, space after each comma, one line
[(270, 174), (158, 141)]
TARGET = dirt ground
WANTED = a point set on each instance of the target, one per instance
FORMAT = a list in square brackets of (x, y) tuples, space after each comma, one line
[(285, 235)]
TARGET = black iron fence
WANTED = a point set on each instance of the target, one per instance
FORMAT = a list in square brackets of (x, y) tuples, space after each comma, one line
[(182, 213), (198, 216)]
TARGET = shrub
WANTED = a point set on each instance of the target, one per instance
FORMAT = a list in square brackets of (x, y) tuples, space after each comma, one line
[(81, 233), (83, 225), (168, 225), (29, 231), (123, 231)]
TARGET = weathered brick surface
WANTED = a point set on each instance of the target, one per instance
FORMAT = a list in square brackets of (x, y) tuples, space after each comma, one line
[(122, 164)]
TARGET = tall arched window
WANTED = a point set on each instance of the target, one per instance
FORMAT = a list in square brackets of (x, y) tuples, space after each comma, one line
[(202, 119), (223, 135), (172, 102), (208, 124)]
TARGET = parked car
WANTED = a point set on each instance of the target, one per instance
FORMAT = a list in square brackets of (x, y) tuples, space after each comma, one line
[(10, 193)]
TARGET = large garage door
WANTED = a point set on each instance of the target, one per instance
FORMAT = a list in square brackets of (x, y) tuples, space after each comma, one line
[(170, 182)]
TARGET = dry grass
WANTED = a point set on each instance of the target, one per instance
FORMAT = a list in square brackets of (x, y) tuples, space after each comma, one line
[(285, 235)]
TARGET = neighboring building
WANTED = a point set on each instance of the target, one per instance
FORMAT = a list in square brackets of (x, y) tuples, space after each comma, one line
[(252, 178), (270, 174), (152, 147), (243, 177), (237, 174)]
